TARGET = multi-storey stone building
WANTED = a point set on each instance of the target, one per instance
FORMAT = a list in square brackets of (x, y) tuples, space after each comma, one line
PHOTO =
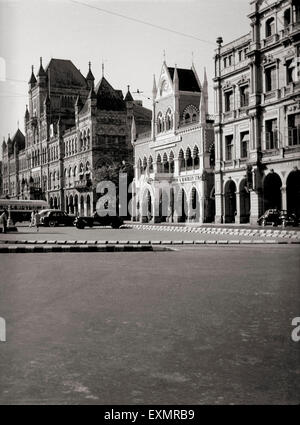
[(174, 162), (257, 126), (71, 130)]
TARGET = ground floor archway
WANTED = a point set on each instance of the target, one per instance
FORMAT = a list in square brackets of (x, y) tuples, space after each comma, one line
[(272, 192), (194, 209), (244, 202), (293, 192), (147, 206), (230, 202)]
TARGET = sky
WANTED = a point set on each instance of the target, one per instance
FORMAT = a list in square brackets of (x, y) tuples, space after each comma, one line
[(130, 50)]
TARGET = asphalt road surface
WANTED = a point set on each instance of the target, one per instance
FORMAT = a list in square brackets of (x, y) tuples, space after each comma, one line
[(193, 326), (133, 234)]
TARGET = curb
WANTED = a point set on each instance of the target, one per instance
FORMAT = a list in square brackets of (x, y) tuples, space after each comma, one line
[(12, 249), (94, 245)]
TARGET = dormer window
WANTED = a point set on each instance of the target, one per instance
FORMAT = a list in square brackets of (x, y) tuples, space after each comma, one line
[(270, 27)]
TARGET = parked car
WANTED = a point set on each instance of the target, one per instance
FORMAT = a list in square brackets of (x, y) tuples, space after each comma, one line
[(276, 217), (287, 219), (95, 220), (54, 218)]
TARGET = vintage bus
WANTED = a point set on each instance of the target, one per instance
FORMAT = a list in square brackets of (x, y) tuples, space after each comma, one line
[(20, 210)]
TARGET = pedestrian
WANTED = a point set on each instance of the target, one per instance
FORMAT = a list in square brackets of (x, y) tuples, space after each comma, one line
[(3, 220), (31, 224), (37, 220)]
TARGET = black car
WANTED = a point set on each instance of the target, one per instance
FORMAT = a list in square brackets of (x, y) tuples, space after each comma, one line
[(287, 219), (270, 217), (275, 217), (54, 218), (95, 220)]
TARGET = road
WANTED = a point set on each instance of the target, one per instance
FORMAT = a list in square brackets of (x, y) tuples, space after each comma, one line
[(193, 326), (135, 234)]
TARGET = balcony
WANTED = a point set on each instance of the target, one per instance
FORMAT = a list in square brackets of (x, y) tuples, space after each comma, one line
[(270, 96), (229, 115), (83, 185), (270, 40)]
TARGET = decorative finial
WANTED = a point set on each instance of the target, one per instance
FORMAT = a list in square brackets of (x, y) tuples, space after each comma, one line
[(18, 124), (192, 58), (128, 87), (41, 61), (89, 66), (164, 54), (102, 68)]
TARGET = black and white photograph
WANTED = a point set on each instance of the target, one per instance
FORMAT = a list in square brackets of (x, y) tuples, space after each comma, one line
[(150, 205)]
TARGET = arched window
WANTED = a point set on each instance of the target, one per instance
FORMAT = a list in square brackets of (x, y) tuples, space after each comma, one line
[(88, 140), (144, 167), (194, 117), (150, 163), (169, 120), (158, 163), (160, 126), (165, 163), (181, 161), (75, 171), (70, 172), (187, 118), (270, 27), (196, 157), (140, 166), (287, 17), (171, 161), (189, 159)]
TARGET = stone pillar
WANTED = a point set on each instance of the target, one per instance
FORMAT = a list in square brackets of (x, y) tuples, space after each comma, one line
[(283, 198), (255, 206), (85, 208), (219, 202), (238, 208)]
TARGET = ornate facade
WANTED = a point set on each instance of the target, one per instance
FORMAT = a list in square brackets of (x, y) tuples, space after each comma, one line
[(72, 129), (174, 162), (257, 127)]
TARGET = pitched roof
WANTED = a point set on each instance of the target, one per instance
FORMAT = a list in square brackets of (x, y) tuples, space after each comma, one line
[(187, 79), (63, 73), (108, 98), (18, 139)]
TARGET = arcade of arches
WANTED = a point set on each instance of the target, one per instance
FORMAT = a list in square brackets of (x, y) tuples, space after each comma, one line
[(74, 204), (274, 195), (172, 206)]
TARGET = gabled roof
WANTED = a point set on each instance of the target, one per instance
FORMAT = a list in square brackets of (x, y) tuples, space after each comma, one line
[(63, 73), (187, 79), (32, 78), (108, 98), (18, 139)]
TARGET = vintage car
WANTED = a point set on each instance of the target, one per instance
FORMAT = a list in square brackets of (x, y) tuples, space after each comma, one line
[(276, 217), (95, 220), (287, 219), (54, 218)]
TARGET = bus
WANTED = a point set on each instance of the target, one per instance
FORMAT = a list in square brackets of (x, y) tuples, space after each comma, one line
[(20, 209)]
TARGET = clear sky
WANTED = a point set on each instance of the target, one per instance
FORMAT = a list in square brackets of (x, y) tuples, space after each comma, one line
[(131, 51)]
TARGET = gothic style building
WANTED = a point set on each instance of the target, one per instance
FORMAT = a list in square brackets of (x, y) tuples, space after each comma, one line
[(174, 162), (72, 129), (257, 126)]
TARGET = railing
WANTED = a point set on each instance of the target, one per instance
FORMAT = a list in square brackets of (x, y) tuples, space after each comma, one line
[(270, 95), (228, 115), (83, 184), (270, 40)]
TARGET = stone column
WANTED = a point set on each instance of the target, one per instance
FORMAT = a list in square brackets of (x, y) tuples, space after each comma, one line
[(238, 208), (219, 202), (283, 198)]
